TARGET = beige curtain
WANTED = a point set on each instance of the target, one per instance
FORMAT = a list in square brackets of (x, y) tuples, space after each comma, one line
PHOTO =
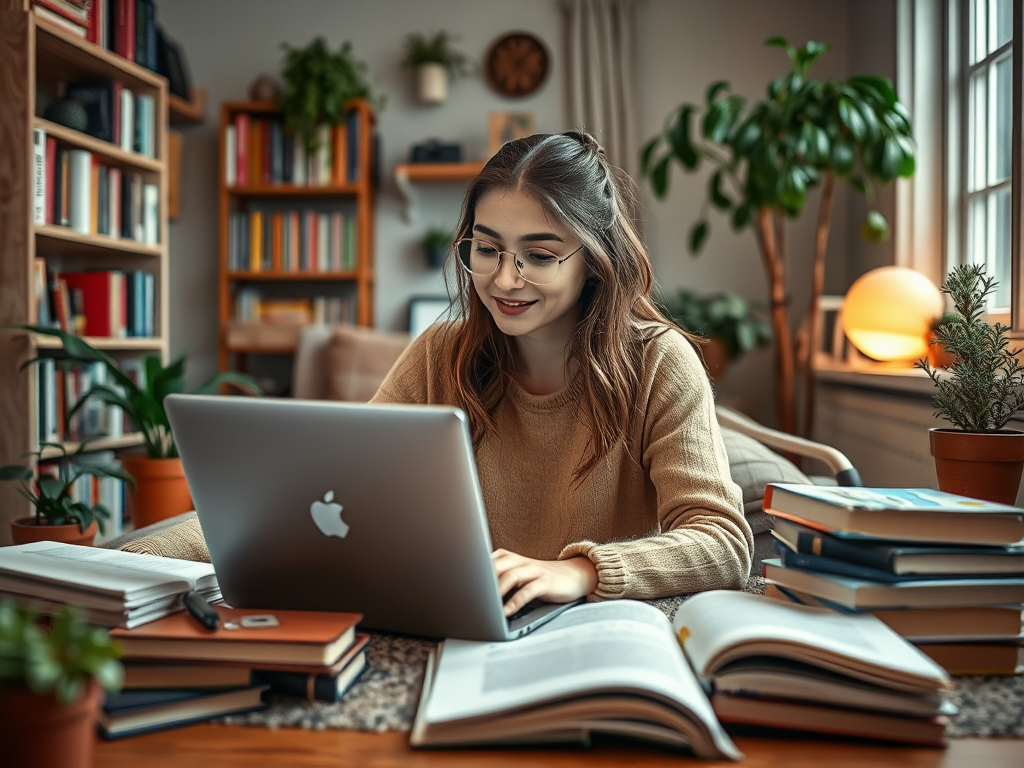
[(601, 56)]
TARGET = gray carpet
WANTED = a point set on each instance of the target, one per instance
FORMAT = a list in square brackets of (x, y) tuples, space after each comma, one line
[(385, 696)]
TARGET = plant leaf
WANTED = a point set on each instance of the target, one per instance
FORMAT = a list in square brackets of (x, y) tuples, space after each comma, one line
[(698, 235), (647, 154), (718, 199), (659, 177), (679, 138), (875, 228)]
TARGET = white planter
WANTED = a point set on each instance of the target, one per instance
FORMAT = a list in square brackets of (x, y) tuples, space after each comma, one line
[(432, 83)]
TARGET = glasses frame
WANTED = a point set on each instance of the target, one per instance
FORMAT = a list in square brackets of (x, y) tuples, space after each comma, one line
[(515, 261)]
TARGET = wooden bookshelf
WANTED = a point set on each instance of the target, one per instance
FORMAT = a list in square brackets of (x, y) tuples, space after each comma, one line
[(240, 338), (188, 111), (36, 58)]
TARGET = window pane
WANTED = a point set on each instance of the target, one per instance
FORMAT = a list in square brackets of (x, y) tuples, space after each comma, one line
[(976, 38), (1002, 18), (1001, 145), (976, 232), (998, 261), (977, 133)]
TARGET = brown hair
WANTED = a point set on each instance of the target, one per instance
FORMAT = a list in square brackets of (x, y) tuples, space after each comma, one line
[(569, 175)]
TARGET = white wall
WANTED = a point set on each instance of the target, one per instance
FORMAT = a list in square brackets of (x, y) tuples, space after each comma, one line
[(684, 46)]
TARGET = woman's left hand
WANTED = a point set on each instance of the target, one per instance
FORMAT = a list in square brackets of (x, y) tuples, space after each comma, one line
[(557, 581)]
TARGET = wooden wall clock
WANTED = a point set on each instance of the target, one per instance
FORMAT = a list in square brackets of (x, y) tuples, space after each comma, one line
[(516, 64)]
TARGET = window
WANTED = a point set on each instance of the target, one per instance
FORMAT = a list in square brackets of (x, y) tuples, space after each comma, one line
[(982, 161)]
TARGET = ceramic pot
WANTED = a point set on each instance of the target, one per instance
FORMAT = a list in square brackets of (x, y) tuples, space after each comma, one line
[(432, 83), (161, 489), (37, 731), (982, 465), (25, 531)]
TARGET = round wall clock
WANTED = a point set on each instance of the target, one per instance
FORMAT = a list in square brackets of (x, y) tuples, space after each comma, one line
[(516, 64)]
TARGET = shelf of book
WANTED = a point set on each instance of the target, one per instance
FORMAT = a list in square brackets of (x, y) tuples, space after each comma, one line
[(296, 228), (66, 240), (39, 61)]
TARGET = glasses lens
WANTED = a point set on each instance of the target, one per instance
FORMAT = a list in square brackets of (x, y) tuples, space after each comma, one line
[(477, 256), (537, 266)]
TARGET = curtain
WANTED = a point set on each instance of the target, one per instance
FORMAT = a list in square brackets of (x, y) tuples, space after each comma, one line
[(601, 57)]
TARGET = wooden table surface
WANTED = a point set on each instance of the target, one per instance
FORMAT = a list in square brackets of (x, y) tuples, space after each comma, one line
[(223, 746)]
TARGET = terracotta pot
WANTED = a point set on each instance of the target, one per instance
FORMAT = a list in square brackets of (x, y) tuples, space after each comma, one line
[(36, 731), (715, 358), (161, 489), (24, 531), (982, 465), (938, 357), (432, 83)]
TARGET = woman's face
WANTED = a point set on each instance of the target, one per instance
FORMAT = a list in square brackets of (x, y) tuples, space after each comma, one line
[(512, 221)]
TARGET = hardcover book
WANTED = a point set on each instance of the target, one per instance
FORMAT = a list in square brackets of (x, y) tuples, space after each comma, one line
[(902, 514), (133, 712)]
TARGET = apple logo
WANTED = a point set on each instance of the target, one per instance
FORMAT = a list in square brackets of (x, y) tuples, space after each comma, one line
[(327, 516)]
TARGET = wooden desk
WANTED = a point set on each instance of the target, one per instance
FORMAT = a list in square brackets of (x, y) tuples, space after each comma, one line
[(221, 746)]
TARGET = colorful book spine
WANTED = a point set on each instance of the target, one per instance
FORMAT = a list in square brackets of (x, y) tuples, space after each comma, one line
[(38, 176)]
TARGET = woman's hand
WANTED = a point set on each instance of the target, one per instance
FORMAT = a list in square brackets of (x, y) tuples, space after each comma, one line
[(557, 581)]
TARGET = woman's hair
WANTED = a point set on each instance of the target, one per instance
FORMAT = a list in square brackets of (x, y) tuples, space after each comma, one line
[(570, 176)]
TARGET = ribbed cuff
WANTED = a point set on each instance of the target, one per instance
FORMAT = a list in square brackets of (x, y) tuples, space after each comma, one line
[(611, 571)]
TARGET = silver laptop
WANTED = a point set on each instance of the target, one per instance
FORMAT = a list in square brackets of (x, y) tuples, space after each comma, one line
[(328, 506)]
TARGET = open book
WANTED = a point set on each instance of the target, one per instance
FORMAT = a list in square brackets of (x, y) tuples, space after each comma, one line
[(617, 668), (118, 589)]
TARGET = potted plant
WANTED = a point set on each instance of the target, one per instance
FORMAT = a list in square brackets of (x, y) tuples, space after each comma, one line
[(318, 84), (767, 155), (436, 244), (938, 355), (58, 517), (434, 61), (160, 487), (51, 681), (726, 319), (977, 394)]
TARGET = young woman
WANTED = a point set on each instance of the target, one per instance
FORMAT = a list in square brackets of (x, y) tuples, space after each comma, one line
[(599, 456)]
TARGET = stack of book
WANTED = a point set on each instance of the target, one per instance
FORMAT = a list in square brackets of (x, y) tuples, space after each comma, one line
[(178, 672), (944, 571)]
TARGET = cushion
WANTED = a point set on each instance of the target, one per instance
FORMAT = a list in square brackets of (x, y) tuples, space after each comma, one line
[(358, 360), (179, 536), (753, 466)]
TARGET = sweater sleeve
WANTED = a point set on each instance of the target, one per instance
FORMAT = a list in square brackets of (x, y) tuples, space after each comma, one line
[(705, 541)]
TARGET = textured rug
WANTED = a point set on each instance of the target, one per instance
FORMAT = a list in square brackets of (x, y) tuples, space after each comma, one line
[(385, 696)]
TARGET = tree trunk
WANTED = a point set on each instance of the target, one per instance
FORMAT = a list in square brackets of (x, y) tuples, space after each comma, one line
[(769, 240), (814, 311)]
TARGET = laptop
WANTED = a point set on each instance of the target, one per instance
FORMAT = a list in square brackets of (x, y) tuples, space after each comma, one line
[(330, 506)]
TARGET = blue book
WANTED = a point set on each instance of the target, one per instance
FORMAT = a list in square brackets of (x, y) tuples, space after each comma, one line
[(901, 558), (896, 514), (352, 135), (132, 712), (867, 594), (314, 687)]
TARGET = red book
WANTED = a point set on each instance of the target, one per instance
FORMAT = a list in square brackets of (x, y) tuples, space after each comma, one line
[(124, 28), (102, 301), (51, 180), (97, 22), (69, 11), (242, 151), (265, 160)]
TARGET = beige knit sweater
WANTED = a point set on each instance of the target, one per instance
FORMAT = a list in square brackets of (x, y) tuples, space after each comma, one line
[(659, 516)]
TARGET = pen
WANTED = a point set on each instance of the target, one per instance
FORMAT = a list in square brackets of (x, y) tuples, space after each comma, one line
[(202, 611)]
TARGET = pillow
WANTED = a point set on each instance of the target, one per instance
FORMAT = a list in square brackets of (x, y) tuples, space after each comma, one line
[(753, 466), (359, 359)]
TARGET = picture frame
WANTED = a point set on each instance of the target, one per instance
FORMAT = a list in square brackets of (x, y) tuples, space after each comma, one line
[(424, 311), (503, 127)]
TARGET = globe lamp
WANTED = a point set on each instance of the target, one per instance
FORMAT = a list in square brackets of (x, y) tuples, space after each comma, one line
[(887, 313)]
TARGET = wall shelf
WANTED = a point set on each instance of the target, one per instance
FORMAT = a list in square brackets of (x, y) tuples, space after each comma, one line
[(189, 111), (409, 174)]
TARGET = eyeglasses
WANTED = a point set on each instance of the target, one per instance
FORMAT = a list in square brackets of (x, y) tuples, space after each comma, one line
[(534, 265)]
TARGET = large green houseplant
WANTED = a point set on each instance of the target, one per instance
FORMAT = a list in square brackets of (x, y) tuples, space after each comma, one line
[(318, 84), (435, 60), (768, 155), (978, 393), (58, 517), (161, 490), (52, 675)]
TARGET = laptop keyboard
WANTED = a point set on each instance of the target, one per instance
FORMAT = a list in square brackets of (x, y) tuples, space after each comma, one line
[(533, 604)]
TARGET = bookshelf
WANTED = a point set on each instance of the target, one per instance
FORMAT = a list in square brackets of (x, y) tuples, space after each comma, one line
[(38, 59), (282, 257)]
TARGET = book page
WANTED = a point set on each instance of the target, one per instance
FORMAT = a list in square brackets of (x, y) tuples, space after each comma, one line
[(103, 570), (620, 646), (715, 626)]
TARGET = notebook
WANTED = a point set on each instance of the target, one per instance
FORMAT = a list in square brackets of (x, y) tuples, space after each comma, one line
[(330, 506)]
